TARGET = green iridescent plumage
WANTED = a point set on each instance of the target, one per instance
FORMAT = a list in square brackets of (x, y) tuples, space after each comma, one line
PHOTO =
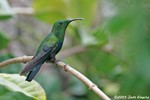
[(48, 48)]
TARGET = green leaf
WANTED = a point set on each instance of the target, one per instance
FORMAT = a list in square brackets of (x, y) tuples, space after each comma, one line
[(16, 83), (5, 10), (4, 40), (6, 94), (12, 68)]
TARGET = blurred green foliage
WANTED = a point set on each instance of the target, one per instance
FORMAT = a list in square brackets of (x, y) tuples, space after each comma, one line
[(4, 40), (12, 68), (5, 10), (52, 10), (117, 47)]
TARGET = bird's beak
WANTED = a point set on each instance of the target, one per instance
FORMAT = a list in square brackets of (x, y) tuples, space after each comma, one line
[(74, 19)]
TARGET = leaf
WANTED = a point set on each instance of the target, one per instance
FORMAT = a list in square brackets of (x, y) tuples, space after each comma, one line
[(6, 94), (16, 83), (4, 40), (5, 10)]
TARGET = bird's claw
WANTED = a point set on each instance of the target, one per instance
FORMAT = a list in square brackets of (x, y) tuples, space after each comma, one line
[(51, 60)]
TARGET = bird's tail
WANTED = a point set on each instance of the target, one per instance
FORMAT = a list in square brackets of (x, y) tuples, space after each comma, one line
[(35, 62), (33, 67), (33, 73)]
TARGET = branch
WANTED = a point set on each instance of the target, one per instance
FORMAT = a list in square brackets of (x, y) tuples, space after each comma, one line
[(66, 67)]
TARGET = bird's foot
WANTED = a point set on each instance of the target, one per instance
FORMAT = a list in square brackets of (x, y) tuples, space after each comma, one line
[(51, 60), (48, 61)]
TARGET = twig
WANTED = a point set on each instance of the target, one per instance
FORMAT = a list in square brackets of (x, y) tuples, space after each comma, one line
[(84, 79), (67, 68)]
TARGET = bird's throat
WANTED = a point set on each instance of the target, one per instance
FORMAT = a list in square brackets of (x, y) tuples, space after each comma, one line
[(60, 35)]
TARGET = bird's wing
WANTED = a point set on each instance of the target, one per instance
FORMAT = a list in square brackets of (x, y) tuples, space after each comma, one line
[(35, 70), (38, 60)]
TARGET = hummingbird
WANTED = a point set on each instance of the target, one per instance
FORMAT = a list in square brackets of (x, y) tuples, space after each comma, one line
[(48, 48)]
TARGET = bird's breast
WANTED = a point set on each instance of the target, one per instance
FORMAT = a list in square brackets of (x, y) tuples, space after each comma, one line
[(59, 46)]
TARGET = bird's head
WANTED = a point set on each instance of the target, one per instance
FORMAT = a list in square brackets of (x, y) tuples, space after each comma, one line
[(61, 25)]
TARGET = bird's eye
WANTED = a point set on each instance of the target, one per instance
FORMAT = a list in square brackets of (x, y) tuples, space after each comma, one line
[(60, 23)]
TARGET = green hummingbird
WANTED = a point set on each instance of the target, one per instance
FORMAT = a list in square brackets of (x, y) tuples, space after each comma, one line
[(48, 48)]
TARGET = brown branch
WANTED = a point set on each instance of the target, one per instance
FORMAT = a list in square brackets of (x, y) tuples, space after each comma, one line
[(67, 68)]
